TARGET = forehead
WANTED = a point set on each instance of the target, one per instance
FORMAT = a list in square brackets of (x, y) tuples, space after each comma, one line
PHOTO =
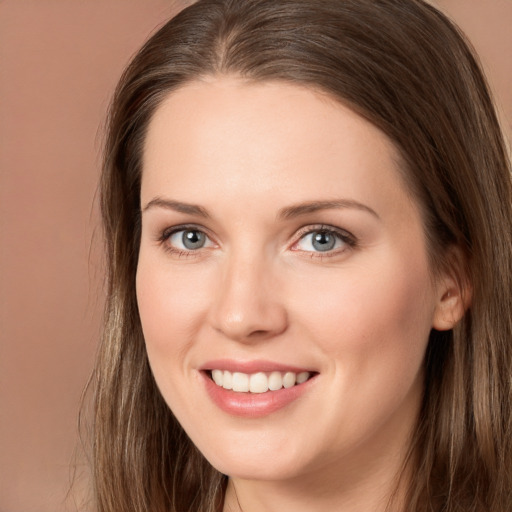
[(263, 137)]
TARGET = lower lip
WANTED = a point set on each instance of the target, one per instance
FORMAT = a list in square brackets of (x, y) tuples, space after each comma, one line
[(254, 405)]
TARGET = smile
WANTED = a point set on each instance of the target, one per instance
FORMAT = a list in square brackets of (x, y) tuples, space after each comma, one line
[(257, 388), (259, 382)]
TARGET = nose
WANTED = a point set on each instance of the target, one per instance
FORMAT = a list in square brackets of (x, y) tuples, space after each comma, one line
[(247, 306)]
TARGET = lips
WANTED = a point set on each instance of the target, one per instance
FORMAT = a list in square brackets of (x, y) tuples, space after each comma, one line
[(256, 388), (258, 365)]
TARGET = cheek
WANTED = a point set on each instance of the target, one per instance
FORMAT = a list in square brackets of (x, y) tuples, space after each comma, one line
[(373, 328), (170, 307), (170, 304), (374, 319)]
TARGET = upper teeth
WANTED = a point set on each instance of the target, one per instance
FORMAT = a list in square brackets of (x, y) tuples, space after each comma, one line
[(257, 382)]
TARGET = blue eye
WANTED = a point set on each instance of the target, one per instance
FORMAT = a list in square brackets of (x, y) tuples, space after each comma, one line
[(188, 240), (322, 240)]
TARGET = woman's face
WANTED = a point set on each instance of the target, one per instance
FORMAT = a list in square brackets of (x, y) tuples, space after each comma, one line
[(280, 249)]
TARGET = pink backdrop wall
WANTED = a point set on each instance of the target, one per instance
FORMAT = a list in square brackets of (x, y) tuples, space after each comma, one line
[(59, 61)]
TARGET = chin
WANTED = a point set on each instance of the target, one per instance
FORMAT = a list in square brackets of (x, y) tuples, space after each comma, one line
[(260, 462), (250, 470)]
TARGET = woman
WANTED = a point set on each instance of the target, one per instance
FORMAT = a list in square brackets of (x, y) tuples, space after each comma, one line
[(307, 209)]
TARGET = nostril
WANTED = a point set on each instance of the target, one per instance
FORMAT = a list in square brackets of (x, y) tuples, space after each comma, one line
[(258, 333)]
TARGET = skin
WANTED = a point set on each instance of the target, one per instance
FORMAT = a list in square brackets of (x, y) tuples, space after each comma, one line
[(359, 315)]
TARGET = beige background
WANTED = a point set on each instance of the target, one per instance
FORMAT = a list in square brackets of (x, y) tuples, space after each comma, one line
[(59, 61)]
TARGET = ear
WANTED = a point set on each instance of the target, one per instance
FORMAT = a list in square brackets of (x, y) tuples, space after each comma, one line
[(453, 292)]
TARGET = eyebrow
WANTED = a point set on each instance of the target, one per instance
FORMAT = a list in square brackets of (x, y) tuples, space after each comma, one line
[(169, 204), (286, 213), (314, 206)]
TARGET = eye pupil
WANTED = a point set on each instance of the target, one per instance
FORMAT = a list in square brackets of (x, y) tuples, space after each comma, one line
[(323, 240), (193, 239)]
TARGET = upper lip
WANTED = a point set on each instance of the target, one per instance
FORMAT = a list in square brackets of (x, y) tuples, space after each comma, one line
[(249, 367)]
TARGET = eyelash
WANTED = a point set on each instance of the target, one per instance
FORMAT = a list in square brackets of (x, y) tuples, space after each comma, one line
[(180, 253), (346, 238)]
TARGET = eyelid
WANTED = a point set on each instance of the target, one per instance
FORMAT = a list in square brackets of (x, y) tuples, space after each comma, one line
[(167, 232), (310, 228)]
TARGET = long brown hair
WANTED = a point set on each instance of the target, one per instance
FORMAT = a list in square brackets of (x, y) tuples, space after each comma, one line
[(408, 70)]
